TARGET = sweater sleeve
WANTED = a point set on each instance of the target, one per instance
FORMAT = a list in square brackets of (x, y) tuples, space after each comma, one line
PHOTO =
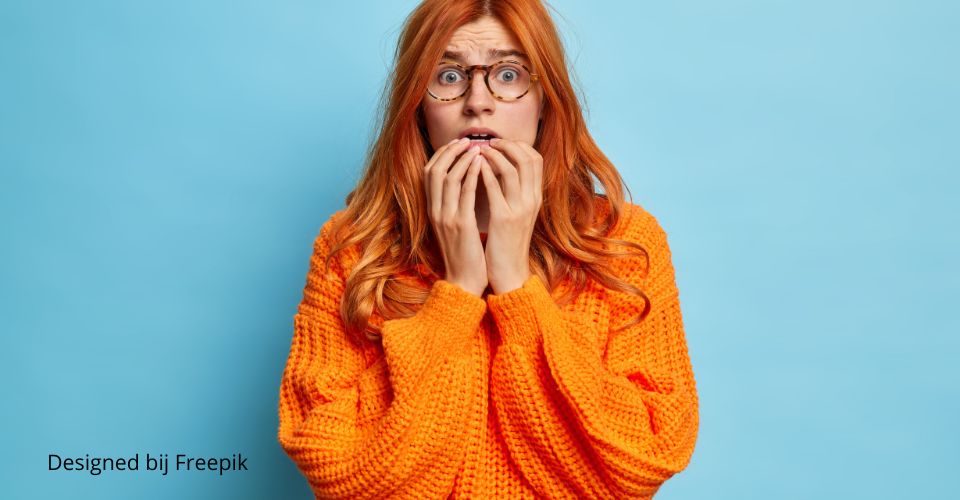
[(587, 421), (392, 427)]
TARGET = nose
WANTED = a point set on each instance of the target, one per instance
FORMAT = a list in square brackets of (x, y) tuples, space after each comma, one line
[(478, 99)]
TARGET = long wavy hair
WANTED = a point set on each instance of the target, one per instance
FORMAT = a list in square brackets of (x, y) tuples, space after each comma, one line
[(386, 213)]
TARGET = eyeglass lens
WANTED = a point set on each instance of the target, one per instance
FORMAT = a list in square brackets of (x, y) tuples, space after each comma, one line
[(508, 80)]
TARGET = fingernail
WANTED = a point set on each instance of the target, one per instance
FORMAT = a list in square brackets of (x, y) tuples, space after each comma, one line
[(495, 139), (453, 141), (465, 139), (474, 148)]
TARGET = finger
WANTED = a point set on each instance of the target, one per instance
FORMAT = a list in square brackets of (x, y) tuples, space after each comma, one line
[(450, 154), (507, 171), (520, 155), (537, 172), (536, 161), (439, 151), (427, 178), (468, 193), (494, 196), (446, 153), (538, 178), (437, 173), (451, 182)]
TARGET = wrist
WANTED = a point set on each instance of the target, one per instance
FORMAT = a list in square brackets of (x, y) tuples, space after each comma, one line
[(509, 284), (472, 288)]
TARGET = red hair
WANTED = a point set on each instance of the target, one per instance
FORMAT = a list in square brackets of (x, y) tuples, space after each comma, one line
[(386, 214)]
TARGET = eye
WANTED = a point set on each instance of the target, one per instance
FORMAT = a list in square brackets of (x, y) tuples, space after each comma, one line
[(449, 76), (509, 74)]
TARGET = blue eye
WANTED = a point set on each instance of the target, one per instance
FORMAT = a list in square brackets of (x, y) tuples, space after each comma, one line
[(449, 76), (510, 75)]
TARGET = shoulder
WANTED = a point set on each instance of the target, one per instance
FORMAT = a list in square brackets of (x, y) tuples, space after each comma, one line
[(326, 234), (636, 224), (330, 236), (639, 226)]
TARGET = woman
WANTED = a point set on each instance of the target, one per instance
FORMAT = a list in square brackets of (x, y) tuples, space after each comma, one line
[(466, 329)]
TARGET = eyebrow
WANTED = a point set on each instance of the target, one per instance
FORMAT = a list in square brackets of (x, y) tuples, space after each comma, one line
[(492, 54)]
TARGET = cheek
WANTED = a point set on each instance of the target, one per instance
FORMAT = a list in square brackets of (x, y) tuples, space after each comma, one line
[(434, 121), (524, 121), (437, 119)]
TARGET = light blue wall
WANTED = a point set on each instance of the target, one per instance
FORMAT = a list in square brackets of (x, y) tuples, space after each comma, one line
[(165, 166)]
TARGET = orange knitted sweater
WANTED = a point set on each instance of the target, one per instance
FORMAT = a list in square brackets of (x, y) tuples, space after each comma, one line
[(507, 396)]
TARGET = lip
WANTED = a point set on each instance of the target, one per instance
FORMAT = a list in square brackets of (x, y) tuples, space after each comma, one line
[(478, 130)]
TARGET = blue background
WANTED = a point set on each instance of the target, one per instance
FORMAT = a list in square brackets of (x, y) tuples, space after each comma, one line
[(166, 166)]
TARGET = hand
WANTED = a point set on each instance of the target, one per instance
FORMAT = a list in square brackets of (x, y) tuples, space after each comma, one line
[(451, 192), (513, 210)]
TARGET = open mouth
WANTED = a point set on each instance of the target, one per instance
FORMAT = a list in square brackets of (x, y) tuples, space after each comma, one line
[(479, 138)]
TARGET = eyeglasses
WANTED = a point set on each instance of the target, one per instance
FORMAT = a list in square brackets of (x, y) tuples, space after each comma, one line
[(511, 80)]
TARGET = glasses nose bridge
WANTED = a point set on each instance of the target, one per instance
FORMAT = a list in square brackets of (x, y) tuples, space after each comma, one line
[(471, 70)]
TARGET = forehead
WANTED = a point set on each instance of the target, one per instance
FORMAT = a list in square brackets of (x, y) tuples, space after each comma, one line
[(475, 40)]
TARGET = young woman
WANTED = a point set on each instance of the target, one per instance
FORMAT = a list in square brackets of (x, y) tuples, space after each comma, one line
[(477, 322)]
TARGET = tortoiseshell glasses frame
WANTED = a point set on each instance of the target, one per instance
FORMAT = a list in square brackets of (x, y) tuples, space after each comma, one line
[(469, 70)]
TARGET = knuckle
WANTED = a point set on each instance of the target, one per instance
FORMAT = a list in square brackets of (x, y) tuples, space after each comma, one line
[(505, 218), (452, 223)]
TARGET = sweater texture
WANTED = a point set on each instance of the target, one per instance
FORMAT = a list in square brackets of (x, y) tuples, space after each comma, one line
[(504, 396)]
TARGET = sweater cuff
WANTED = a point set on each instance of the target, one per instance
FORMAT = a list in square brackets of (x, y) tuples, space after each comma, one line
[(454, 312), (516, 312)]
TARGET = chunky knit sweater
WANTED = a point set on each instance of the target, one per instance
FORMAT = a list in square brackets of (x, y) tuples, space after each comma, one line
[(505, 396)]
